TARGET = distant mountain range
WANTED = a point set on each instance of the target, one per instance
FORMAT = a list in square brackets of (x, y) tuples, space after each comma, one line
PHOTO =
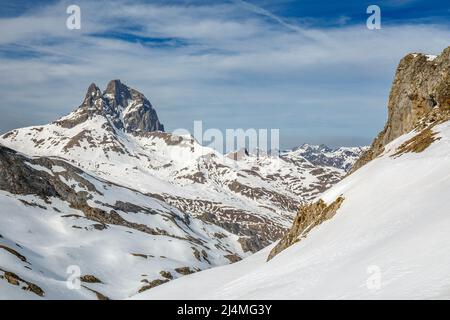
[(324, 156)]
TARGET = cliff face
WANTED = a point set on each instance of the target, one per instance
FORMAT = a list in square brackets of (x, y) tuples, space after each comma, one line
[(419, 100), (421, 85)]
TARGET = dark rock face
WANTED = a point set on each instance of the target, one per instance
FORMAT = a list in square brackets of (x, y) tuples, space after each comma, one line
[(421, 86), (127, 109), (139, 113)]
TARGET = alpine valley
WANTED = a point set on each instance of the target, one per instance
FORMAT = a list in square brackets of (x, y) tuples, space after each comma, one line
[(105, 194), (379, 233)]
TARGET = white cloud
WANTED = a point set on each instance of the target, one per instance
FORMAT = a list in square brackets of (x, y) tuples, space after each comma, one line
[(234, 67)]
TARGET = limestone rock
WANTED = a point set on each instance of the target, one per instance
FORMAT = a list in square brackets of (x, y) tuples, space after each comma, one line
[(421, 85)]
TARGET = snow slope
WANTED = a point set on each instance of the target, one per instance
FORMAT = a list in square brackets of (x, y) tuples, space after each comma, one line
[(388, 240), (53, 216)]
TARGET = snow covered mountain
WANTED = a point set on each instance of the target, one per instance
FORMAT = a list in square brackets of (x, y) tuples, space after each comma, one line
[(54, 215), (111, 135), (106, 190), (322, 155), (381, 232)]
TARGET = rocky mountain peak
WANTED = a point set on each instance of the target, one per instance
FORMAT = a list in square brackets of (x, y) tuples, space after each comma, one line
[(117, 94), (125, 108), (93, 91), (421, 90)]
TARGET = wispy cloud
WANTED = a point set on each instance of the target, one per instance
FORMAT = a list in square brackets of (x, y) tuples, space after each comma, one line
[(216, 62)]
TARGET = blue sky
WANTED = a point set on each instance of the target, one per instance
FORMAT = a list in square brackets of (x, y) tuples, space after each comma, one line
[(310, 68)]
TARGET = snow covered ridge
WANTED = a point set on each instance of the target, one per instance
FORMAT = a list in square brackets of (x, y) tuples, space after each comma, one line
[(252, 197), (387, 240), (54, 217)]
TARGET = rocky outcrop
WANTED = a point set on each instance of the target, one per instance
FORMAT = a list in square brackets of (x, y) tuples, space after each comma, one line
[(309, 216), (421, 86), (126, 108), (15, 280)]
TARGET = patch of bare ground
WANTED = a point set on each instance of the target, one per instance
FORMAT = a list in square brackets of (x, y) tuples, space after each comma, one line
[(88, 278), (309, 216), (16, 280), (197, 177), (418, 143), (14, 252), (233, 258), (184, 270), (153, 284), (141, 255), (166, 274)]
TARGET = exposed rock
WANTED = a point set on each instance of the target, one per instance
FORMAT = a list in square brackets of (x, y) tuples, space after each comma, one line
[(184, 270), (233, 258), (16, 280), (90, 279), (421, 86), (14, 252), (140, 255), (153, 284), (251, 243), (12, 278), (196, 253), (139, 114), (309, 216), (166, 274), (418, 143)]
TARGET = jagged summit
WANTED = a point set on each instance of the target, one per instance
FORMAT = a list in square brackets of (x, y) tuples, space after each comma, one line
[(126, 108)]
